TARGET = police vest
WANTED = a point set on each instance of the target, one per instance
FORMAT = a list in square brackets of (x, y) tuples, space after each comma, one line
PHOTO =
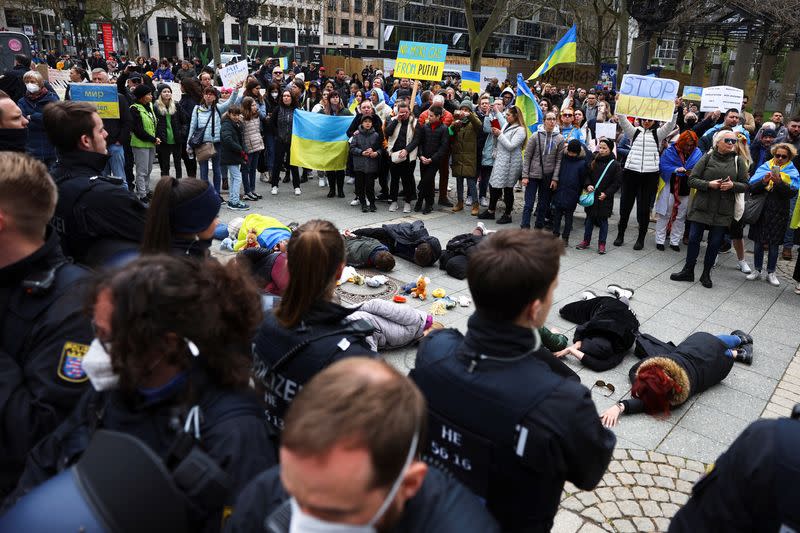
[(476, 408), (284, 360)]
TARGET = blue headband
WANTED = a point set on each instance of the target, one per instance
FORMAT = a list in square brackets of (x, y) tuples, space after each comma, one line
[(196, 214)]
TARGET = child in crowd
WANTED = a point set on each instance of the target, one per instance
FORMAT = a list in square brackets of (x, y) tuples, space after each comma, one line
[(572, 175), (366, 150), (232, 155), (253, 137), (367, 252), (604, 178)]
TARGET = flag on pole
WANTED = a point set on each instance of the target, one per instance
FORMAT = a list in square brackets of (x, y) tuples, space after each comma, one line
[(470, 81), (528, 106), (566, 51), (319, 142)]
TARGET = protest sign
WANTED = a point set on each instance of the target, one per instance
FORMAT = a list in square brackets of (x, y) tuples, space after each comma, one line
[(102, 95), (647, 97), (470, 81), (722, 98), (420, 61), (605, 129), (233, 74), (692, 92)]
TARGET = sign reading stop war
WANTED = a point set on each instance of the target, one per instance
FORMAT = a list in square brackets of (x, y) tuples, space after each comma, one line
[(722, 98), (647, 97), (420, 61)]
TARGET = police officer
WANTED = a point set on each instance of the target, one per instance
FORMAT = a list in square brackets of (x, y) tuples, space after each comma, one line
[(307, 331), (506, 417), (44, 333), (753, 486), (98, 220)]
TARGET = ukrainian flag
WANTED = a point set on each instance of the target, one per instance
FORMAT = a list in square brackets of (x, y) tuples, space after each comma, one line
[(528, 105), (470, 81), (284, 62), (319, 142), (566, 51)]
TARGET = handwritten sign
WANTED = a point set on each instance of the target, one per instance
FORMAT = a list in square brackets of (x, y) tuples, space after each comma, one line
[(607, 130), (692, 92), (721, 97), (420, 61), (233, 74), (647, 97), (103, 96)]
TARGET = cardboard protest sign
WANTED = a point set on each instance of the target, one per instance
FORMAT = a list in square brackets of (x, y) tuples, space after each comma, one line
[(722, 98), (605, 129), (102, 95), (420, 61), (233, 74), (647, 97), (692, 92)]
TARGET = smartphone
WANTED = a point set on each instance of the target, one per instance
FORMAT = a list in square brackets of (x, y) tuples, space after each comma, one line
[(495, 123)]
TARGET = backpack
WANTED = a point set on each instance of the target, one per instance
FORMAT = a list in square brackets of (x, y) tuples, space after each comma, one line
[(660, 146)]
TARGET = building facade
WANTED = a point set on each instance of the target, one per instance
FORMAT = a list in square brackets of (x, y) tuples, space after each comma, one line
[(352, 24)]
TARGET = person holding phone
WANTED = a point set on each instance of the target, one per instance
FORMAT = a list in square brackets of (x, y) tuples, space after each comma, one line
[(717, 177), (779, 180)]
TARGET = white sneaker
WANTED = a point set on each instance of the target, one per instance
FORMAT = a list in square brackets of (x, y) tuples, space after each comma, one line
[(773, 279), (350, 180), (744, 267), (484, 202), (407, 209), (753, 275), (393, 207), (322, 182), (449, 188), (263, 177), (481, 226), (274, 190), (355, 202), (298, 192), (620, 292), (588, 295), (797, 289), (468, 201)]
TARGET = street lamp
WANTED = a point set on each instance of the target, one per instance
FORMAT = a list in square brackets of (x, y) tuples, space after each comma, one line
[(74, 13), (652, 16), (242, 11)]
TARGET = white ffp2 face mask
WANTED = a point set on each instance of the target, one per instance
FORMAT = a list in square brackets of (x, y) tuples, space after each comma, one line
[(97, 365), (304, 523), (32, 87)]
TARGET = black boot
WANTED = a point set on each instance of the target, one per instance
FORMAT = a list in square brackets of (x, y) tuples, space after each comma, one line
[(744, 354), (640, 239), (332, 191), (340, 186), (705, 278), (620, 240), (687, 274), (418, 205)]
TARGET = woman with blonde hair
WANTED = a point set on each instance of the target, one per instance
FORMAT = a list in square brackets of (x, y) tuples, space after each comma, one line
[(169, 128)]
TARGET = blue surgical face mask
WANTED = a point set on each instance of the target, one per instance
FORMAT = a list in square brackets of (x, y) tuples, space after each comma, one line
[(305, 523)]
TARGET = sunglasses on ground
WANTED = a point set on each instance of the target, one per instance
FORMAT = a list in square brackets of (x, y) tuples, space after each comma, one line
[(608, 386)]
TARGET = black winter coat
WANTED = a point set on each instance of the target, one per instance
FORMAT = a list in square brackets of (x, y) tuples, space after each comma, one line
[(771, 225), (403, 239), (432, 143), (232, 152), (455, 257), (696, 364), (602, 209), (571, 177), (186, 107), (178, 126)]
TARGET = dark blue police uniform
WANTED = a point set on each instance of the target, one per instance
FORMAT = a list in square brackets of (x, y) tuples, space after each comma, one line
[(509, 420), (753, 486), (44, 334)]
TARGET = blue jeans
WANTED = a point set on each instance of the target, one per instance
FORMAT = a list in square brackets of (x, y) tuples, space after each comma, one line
[(235, 181), (558, 212), (540, 187), (116, 164), (588, 227), (249, 171), (731, 342), (215, 161), (772, 258), (472, 189), (788, 237), (715, 236)]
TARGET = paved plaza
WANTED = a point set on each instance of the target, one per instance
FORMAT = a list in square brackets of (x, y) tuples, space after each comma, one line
[(657, 459)]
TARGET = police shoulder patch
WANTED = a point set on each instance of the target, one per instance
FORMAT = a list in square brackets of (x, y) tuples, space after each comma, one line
[(70, 366)]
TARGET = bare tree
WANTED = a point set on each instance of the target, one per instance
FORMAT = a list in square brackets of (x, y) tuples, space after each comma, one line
[(128, 17), (596, 21), (484, 17)]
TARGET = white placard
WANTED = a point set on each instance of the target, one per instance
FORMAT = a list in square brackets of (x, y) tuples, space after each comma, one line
[(605, 129), (233, 74), (722, 98)]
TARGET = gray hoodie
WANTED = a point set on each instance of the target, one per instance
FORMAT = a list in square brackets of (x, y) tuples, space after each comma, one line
[(543, 154)]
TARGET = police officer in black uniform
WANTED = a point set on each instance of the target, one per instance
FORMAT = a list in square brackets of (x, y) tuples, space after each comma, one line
[(506, 417), (753, 486), (307, 331), (44, 333), (98, 220)]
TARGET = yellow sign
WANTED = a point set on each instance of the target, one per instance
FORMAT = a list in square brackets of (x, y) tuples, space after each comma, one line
[(420, 61), (647, 97), (103, 96)]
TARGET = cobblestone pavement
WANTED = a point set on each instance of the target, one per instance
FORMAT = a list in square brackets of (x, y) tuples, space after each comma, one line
[(656, 460)]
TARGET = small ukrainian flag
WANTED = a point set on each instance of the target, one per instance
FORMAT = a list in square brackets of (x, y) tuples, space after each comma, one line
[(470, 81), (566, 51), (284, 62), (319, 142)]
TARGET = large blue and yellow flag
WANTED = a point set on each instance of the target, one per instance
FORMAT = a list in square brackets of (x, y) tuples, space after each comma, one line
[(566, 51), (319, 142), (528, 106)]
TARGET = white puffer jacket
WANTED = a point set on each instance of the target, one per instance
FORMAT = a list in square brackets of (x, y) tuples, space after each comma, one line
[(644, 155)]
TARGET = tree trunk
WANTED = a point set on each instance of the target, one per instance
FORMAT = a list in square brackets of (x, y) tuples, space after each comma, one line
[(215, 52), (768, 61), (243, 29), (622, 22), (132, 34), (476, 47), (790, 77)]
